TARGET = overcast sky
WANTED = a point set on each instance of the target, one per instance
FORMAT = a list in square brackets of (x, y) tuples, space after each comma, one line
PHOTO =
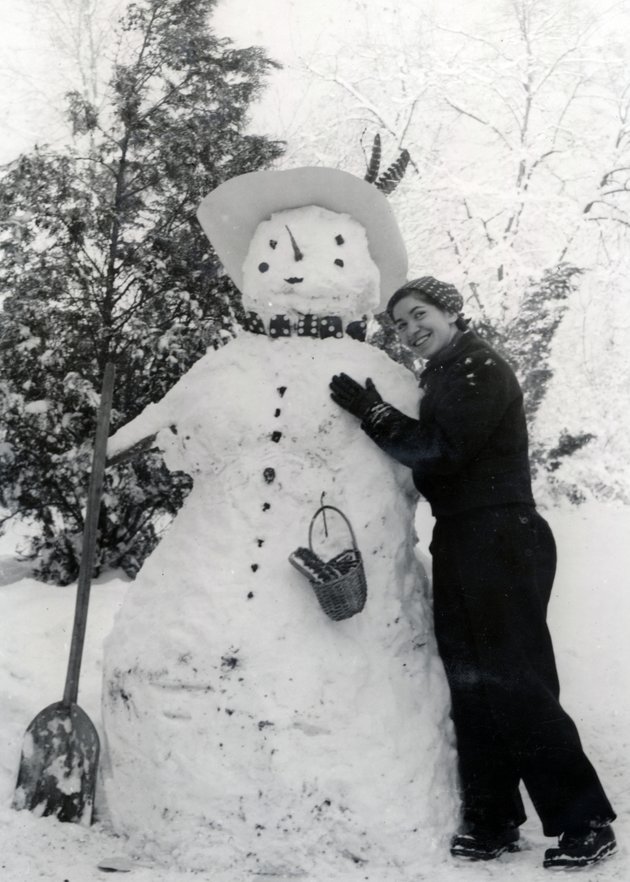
[(35, 73)]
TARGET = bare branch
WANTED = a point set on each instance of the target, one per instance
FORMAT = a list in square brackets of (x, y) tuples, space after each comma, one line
[(511, 110), (372, 109), (472, 285), (408, 123), (614, 220), (607, 177), (358, 96), (476, 39), (565, 110), (481, 121), (552, 69)]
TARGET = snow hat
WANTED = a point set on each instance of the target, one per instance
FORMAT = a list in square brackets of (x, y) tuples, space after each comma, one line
[(230, 214), (441, 294)]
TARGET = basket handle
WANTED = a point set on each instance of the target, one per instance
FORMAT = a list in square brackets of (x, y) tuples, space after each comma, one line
[(330, 508)]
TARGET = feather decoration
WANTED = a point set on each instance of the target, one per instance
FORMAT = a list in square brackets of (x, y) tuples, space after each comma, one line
[(390, 179), (375, 160)]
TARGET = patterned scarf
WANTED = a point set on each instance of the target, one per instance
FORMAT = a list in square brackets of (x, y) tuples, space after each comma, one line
[(320, 326)]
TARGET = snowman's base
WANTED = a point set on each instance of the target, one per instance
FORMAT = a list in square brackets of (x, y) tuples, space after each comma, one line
[(244, 728)]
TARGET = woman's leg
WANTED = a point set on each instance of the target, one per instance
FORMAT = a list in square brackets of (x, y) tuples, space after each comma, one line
[(489, 777), (503, 561)]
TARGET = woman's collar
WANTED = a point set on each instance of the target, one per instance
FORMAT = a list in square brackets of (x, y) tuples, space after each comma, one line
[(451, 350)]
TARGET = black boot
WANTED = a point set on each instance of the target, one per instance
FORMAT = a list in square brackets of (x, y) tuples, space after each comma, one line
[(478, 844), (581, 848)]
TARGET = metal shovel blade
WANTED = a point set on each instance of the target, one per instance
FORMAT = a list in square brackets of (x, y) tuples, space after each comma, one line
[(58, 767)]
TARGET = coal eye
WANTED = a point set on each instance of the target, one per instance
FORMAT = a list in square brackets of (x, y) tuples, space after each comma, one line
[(339, 262), (339, 239), (263, 267), (272, 243)]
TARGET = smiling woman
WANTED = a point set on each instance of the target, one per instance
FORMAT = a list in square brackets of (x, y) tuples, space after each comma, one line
[(423, 327), (494, 561), (427, 314)]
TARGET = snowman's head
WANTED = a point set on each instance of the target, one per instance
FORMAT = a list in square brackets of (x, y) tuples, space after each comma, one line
[(306, 240), (310, 260)]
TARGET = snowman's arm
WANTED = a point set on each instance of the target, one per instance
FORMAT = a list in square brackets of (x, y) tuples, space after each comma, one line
[(150, 429), (126, 453), (136, 437)]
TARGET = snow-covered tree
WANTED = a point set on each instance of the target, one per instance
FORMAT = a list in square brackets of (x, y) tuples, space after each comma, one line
[(103, 260), (516, 120)]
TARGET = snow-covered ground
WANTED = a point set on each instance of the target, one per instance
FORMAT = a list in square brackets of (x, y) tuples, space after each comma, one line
[(588, 614)]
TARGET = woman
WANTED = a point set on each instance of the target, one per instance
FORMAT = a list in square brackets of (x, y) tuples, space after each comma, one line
[(493, 567)]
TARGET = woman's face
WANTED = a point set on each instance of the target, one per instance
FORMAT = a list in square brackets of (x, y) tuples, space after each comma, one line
[(422, 326)]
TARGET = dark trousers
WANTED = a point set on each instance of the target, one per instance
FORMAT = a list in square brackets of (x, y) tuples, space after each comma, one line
[(493, 570)]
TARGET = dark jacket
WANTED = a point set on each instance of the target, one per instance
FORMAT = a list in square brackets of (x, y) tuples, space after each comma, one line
[(469, 447)]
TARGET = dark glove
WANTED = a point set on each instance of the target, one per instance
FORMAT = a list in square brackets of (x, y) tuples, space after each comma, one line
[(350, 395)]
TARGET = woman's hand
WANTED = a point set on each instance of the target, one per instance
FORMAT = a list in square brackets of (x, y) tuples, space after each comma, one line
[(352, 396)]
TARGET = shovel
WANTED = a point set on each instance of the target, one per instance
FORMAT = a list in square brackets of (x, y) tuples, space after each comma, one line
[(59, 761)]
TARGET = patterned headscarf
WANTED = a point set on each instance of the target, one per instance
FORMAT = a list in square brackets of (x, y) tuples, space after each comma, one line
[(442, 294)]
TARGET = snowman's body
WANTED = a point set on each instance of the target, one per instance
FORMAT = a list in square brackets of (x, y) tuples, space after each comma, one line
[(233, 705)]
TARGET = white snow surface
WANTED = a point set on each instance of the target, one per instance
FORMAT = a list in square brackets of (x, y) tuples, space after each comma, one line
[(588, 616)]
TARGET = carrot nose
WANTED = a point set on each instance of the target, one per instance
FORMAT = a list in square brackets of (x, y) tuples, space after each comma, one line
[(296, 248)]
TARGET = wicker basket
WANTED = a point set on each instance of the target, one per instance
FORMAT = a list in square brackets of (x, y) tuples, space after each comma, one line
[(339, 584)]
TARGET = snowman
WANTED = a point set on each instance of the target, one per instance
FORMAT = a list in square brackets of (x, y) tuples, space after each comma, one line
[(243, 726)]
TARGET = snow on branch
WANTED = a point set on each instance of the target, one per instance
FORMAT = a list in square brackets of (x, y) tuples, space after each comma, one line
[(481, 121)]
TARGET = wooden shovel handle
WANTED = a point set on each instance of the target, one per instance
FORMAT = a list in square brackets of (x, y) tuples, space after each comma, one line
[(90, 532)]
